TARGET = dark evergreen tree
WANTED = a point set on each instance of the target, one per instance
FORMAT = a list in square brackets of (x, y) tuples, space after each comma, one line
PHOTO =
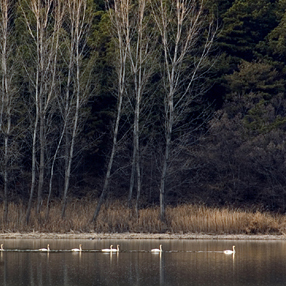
[(245, 24)]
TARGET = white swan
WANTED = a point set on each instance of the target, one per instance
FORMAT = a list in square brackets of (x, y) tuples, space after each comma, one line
[(230, 251), (77, 249), (2, 249), (107, 249), (115, 249), (45, 249), (156, 249)]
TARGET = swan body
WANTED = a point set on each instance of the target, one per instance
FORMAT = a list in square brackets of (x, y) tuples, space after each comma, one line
[(107, 249), (2, 249), (230, 251), (111, 249), (77, 249), (156, 249), (45, 249), (115, 249)]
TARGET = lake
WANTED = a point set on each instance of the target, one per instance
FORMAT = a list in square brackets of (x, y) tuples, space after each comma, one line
[(182, 262)]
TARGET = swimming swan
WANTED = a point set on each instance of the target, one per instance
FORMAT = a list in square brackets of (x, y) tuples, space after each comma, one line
[(45, 249), (115, 249), (156, 249), (107, 249), (2, 249), (77, 249), (230, 251)]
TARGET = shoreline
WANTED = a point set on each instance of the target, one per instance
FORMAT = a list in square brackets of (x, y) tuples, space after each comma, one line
[(127, 235)]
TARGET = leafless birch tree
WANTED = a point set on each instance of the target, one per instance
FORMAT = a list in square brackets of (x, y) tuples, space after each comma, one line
[(59, 12), (79, 14), (43, 31), (182, 25), (121, 52), (140, 40), (7, 96)]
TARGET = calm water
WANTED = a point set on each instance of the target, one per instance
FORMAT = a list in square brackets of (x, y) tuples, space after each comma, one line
[(183, 262)]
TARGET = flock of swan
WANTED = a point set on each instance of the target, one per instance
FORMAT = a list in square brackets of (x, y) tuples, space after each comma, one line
[(111, 249)]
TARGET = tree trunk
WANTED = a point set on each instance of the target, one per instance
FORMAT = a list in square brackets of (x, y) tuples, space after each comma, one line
[(121, 77), (110, 163), (132, 178), (80, 22), (6, 101), (40, 11), (41, 163), (140, 43), (168, 134), (186, 22), (70, 155), (137, 152), (59, 12), (33, 180)]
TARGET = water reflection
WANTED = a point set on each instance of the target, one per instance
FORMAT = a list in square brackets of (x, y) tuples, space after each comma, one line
[(182, 262), (162, 269)]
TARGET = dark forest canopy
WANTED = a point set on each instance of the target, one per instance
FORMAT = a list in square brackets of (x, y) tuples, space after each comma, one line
[(214, 134)]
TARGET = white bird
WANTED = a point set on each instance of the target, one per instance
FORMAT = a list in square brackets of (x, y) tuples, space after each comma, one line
[(2, 249), (77, 249), (107, 249), (230, 251), (115, 249), (156, 249), (45, 249)]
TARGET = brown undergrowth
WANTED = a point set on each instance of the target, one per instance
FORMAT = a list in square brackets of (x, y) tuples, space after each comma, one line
[(116, 217)]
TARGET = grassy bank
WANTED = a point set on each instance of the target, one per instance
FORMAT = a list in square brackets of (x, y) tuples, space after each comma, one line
[(118, 218)]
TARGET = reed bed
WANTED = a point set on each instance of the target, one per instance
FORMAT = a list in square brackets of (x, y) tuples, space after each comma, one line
[(117, 218)]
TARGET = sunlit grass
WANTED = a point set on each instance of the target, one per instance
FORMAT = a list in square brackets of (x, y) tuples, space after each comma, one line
[(116, 217)]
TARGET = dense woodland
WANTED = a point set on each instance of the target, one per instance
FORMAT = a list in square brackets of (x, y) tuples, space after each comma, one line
[(147, 102)]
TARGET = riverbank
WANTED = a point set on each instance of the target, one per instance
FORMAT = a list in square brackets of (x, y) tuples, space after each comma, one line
[(126, 235), (117, 220)]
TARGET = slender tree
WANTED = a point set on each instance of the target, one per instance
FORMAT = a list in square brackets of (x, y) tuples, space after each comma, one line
[(140, 40), (182, 25), (59, 11), (7, 96), (79, 21), (39, 17), (121, 52)]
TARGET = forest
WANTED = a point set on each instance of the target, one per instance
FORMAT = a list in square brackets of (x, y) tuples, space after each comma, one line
[(149, 103)]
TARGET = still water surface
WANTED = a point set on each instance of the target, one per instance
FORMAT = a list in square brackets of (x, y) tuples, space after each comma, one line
[(182, 262)]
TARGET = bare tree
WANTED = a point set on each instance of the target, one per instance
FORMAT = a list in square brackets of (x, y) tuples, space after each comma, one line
[(121, 52), (131, 22), (43, 31), (7, 96), (59, 11), (140, 41), (181, 24), (77, 89)]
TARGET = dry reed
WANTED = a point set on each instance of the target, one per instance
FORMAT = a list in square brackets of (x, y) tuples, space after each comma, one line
[(118, 218)]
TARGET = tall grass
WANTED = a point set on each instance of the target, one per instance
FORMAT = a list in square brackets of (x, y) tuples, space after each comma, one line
[(118, 218)]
